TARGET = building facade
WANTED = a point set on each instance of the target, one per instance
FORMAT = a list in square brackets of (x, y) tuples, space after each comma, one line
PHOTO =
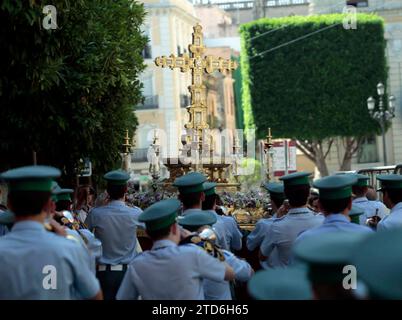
[(370, 154), (168, 25)]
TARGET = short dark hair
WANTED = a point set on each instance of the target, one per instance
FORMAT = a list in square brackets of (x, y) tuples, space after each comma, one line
[(190, 199), (209, 202), (27, 203), (297, 195), (63, 205), (156, 235), (359, 190), (395, 195), (278, 201), (334, 205), (116, 192)]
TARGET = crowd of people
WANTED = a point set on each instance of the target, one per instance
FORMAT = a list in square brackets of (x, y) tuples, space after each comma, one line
[(323, 243)]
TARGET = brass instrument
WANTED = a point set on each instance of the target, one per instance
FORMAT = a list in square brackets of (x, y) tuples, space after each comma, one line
[(373, 221), (205, 238)]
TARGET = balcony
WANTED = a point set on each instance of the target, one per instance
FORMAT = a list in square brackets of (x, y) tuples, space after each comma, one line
[(139, 155), (150, 102), (184, 101)]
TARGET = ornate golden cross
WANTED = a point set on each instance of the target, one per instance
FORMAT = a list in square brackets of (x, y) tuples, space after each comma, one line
[(197, 64)]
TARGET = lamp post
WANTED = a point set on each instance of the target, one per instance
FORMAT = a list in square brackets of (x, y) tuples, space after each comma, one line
[(382, 114)]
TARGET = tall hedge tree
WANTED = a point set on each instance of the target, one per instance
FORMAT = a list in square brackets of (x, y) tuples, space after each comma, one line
[(308, 78), (69, 92)]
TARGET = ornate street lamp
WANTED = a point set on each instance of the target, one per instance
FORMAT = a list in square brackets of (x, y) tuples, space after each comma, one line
[(383, 114)]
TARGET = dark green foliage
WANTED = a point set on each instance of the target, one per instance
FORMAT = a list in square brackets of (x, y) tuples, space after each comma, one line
[(317, 87), (68, 93)]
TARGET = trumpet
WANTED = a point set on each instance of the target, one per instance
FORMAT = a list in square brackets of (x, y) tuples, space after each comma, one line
[(205, 238), (373, 221)]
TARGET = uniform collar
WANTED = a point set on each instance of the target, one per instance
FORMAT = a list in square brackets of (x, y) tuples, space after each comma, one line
[(189, 211), (163, 244), (397, 207), (28, 225), (117, 203), (336, 217), (360, 199), (298, 210)]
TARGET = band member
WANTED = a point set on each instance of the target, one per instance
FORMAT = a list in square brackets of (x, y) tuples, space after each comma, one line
[(169, 271), (335, 202), (373, 210), (326, 258), (229, 235), (299, 218), (191, 191), (76, 229), (262, 227), (29, 253), (391, 187), (201, 223), (378, 261), (115, 225)]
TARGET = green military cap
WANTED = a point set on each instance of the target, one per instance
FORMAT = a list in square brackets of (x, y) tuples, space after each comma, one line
[(296, 179), (275, 189), (335, 187), (362, 180), (281, 284), (355, 213), (117, 177), (209, 188), (197, 219), (327, 255), (64, 194), (160, 215), (378, 261), (31, 178), (54, 189), (390, 181), (190, 183)]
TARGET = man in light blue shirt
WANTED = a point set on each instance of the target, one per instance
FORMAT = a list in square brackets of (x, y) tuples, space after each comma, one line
[(169, 271), (371, 208), (227, 232), (299, 218), (191, 191), (115, 225), (262, 227), (391, 187), (192, 196), (36, 264), (335, 202), (200, 224)]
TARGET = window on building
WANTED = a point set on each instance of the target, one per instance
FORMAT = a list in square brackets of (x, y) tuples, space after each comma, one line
[(368, 152), (147, 52), (150, 100), (357, 3), (178, 50)]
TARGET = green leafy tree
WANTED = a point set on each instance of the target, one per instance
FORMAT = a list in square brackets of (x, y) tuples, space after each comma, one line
[(313, 88), (69, 92)]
